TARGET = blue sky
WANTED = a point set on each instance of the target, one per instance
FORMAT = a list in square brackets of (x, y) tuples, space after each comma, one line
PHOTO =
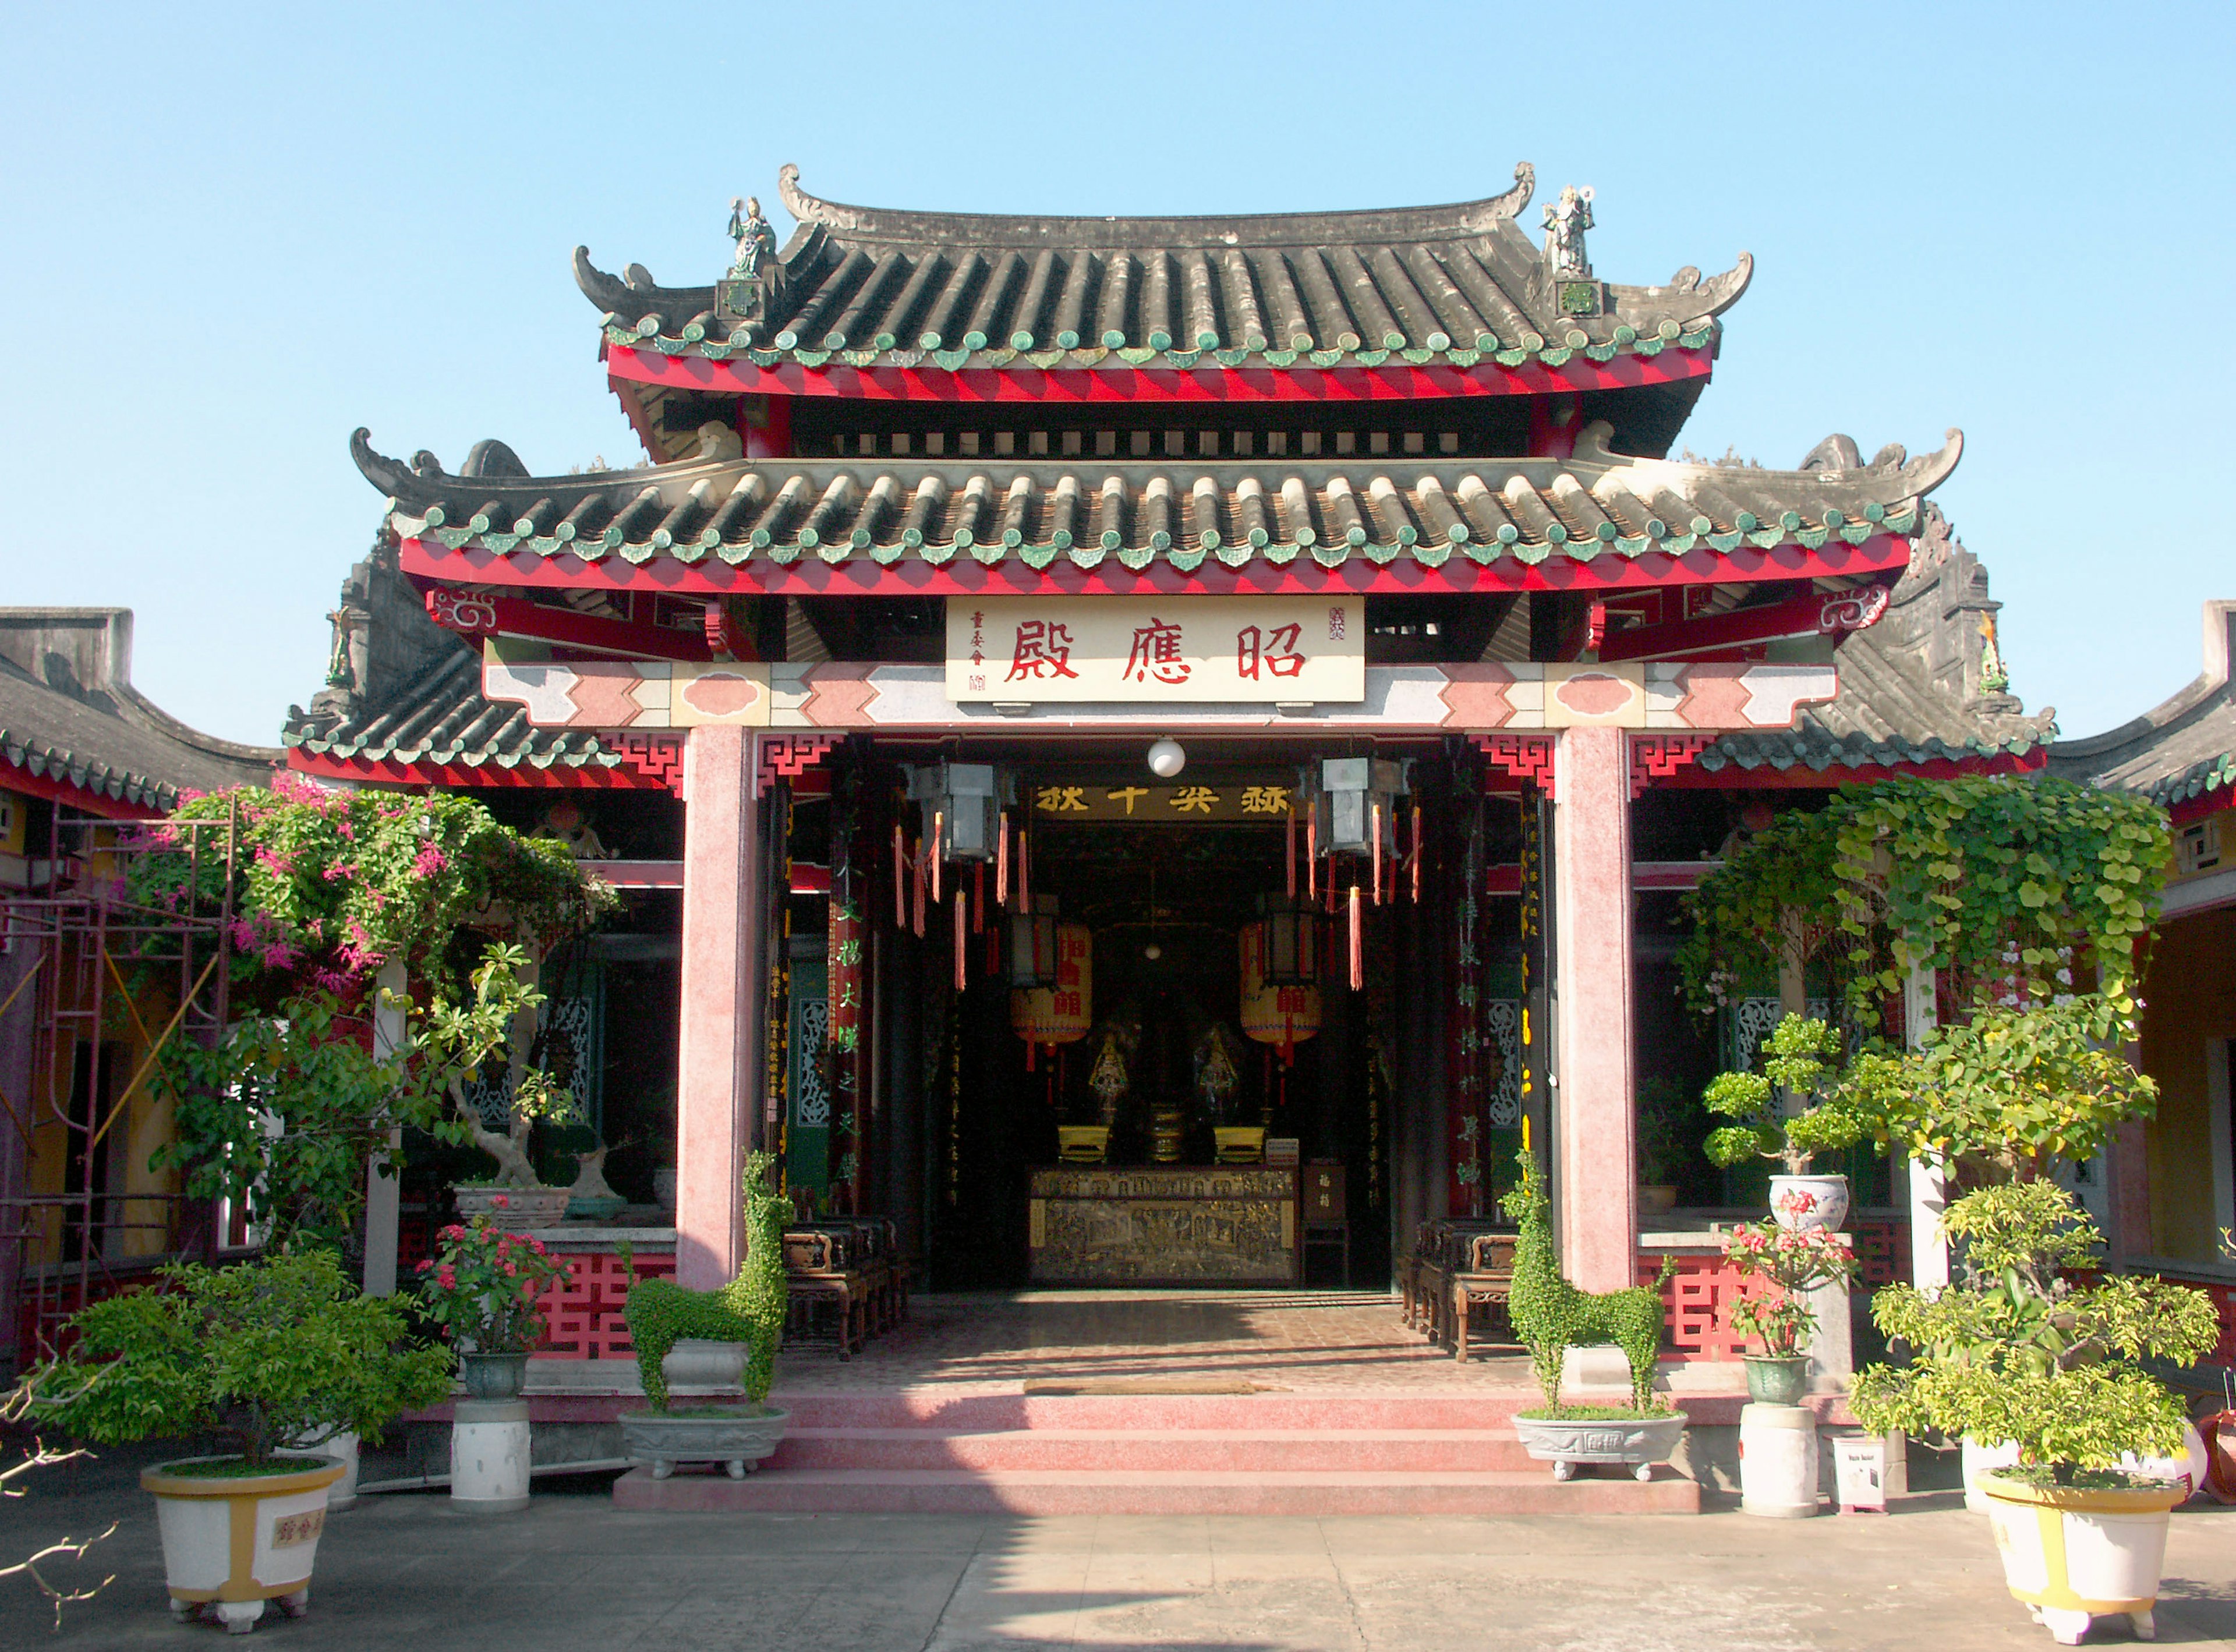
[(236, 233)]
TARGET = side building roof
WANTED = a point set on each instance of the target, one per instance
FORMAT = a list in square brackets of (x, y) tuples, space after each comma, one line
[(2182, 752), (1924, 687), (73, 727), (874, 287)]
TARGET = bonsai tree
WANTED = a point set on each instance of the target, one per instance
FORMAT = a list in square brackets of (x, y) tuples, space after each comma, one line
[(286, 1114), (2007, 1094), (272, 1351), (749, 1309), (1550, 1315), (1790, 1111), (2020, 1351)]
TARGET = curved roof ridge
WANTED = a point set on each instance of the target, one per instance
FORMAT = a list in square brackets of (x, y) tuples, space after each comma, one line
[(1449, 221)]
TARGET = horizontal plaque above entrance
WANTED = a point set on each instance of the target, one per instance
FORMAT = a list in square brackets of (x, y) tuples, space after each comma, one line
[(1228, 650)]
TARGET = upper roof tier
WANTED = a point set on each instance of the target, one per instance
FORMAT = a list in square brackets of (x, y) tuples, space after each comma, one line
[(1505, 515), (868, 286)]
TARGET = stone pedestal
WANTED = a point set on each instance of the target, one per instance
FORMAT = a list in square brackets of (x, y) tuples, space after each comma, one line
[(489, 1456)]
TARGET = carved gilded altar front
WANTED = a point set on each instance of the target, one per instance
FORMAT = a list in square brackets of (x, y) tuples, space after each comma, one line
[(1173, 1225)]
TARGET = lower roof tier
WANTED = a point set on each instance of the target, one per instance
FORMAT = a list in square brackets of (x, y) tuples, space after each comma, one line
[(915, 519)]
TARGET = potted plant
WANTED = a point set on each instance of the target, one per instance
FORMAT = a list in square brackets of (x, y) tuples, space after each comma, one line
[(1789, 1261), (1551, 1316), (482, 1287), (264, 1353), (1789, 1112), (2018, 1350), (1662, 1102), (749, 1310)]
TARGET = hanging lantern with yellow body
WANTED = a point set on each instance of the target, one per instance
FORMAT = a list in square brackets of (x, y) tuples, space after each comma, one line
[(1280, 976)]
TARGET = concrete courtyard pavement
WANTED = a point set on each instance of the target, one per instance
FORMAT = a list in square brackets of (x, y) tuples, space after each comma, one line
[(572, 1574)]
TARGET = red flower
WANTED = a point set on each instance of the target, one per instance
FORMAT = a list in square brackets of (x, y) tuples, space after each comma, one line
[(501, 1201), (423, 1266), (447, 1279)]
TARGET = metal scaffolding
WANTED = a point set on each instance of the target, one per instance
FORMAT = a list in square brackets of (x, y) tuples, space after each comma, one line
[(99, 976)]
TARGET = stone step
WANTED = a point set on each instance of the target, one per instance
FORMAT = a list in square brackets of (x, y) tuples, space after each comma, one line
[(1240, 1451), (1136, 1491), (1318, 1412)]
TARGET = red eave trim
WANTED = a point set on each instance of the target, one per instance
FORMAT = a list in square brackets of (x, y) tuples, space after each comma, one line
[(859, 576), (1392, 381), (2196, 808), (390, 772), (1731, 778), (26, 783)]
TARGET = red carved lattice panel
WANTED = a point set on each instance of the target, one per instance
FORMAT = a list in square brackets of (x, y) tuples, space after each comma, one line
[(1695, 1303), (1527, 757), (582, 1311), (1656, 757), (659, 758), (1882, 1252), (787, 757)]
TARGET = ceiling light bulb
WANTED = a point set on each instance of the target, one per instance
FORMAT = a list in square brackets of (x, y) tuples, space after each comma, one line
[(1167, 759), (1153, 951)]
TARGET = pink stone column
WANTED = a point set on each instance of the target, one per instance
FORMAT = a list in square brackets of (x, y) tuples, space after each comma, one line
[(717, 1102), (1594, 1125)]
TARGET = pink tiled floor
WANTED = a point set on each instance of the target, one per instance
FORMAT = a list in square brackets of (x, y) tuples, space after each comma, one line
[(1273, 1341)]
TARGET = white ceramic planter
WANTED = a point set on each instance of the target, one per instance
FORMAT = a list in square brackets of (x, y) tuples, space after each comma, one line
[(2074, 1555), (1978, 1458), (231, 1544), (1801, 1202), (342, 1446), (1635, 1442)]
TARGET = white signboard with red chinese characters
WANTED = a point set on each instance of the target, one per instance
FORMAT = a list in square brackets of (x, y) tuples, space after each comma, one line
[(1157, 648)]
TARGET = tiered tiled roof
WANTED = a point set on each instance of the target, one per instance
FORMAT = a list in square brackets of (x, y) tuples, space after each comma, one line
[(1518, 511), (2182, 751), (1918, 688), (869, 287), (69, 716)]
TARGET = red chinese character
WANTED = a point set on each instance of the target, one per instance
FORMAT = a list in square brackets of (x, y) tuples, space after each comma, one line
[(1042, 645), (1156, 653), (1277, 653)]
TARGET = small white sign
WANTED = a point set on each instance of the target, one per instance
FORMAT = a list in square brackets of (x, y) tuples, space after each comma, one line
[(1157, 649)]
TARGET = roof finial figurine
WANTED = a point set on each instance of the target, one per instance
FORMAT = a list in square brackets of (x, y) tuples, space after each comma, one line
[(755, 237), (1566, 220)]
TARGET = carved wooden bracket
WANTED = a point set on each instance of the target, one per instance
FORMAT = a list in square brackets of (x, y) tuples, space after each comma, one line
[(659, 758), (1656, 757), (1527, 757), (787, 757)]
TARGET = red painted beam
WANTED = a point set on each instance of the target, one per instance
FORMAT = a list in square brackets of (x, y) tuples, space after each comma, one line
[(1392, 382), (471, 614), (418, 776), (859, 576), (1806, 615)]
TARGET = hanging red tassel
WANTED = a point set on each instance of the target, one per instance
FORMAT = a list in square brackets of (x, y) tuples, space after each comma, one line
[(916, 889), (1312, 852), (1374, 831), (962, 941), (1024, 869), (1292, 852), (900, 865), (1358, 942), (936, 849), (1417, 854), (1001, 863), (978, 897)]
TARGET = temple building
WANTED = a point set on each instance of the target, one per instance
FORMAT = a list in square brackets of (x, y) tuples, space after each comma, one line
[(1144, 750)]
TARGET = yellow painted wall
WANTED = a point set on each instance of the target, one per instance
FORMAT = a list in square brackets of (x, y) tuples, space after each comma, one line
[(2189, 998)]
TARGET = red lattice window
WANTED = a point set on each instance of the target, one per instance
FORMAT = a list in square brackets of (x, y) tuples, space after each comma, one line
[(582, 1312), (1882, 1252)]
